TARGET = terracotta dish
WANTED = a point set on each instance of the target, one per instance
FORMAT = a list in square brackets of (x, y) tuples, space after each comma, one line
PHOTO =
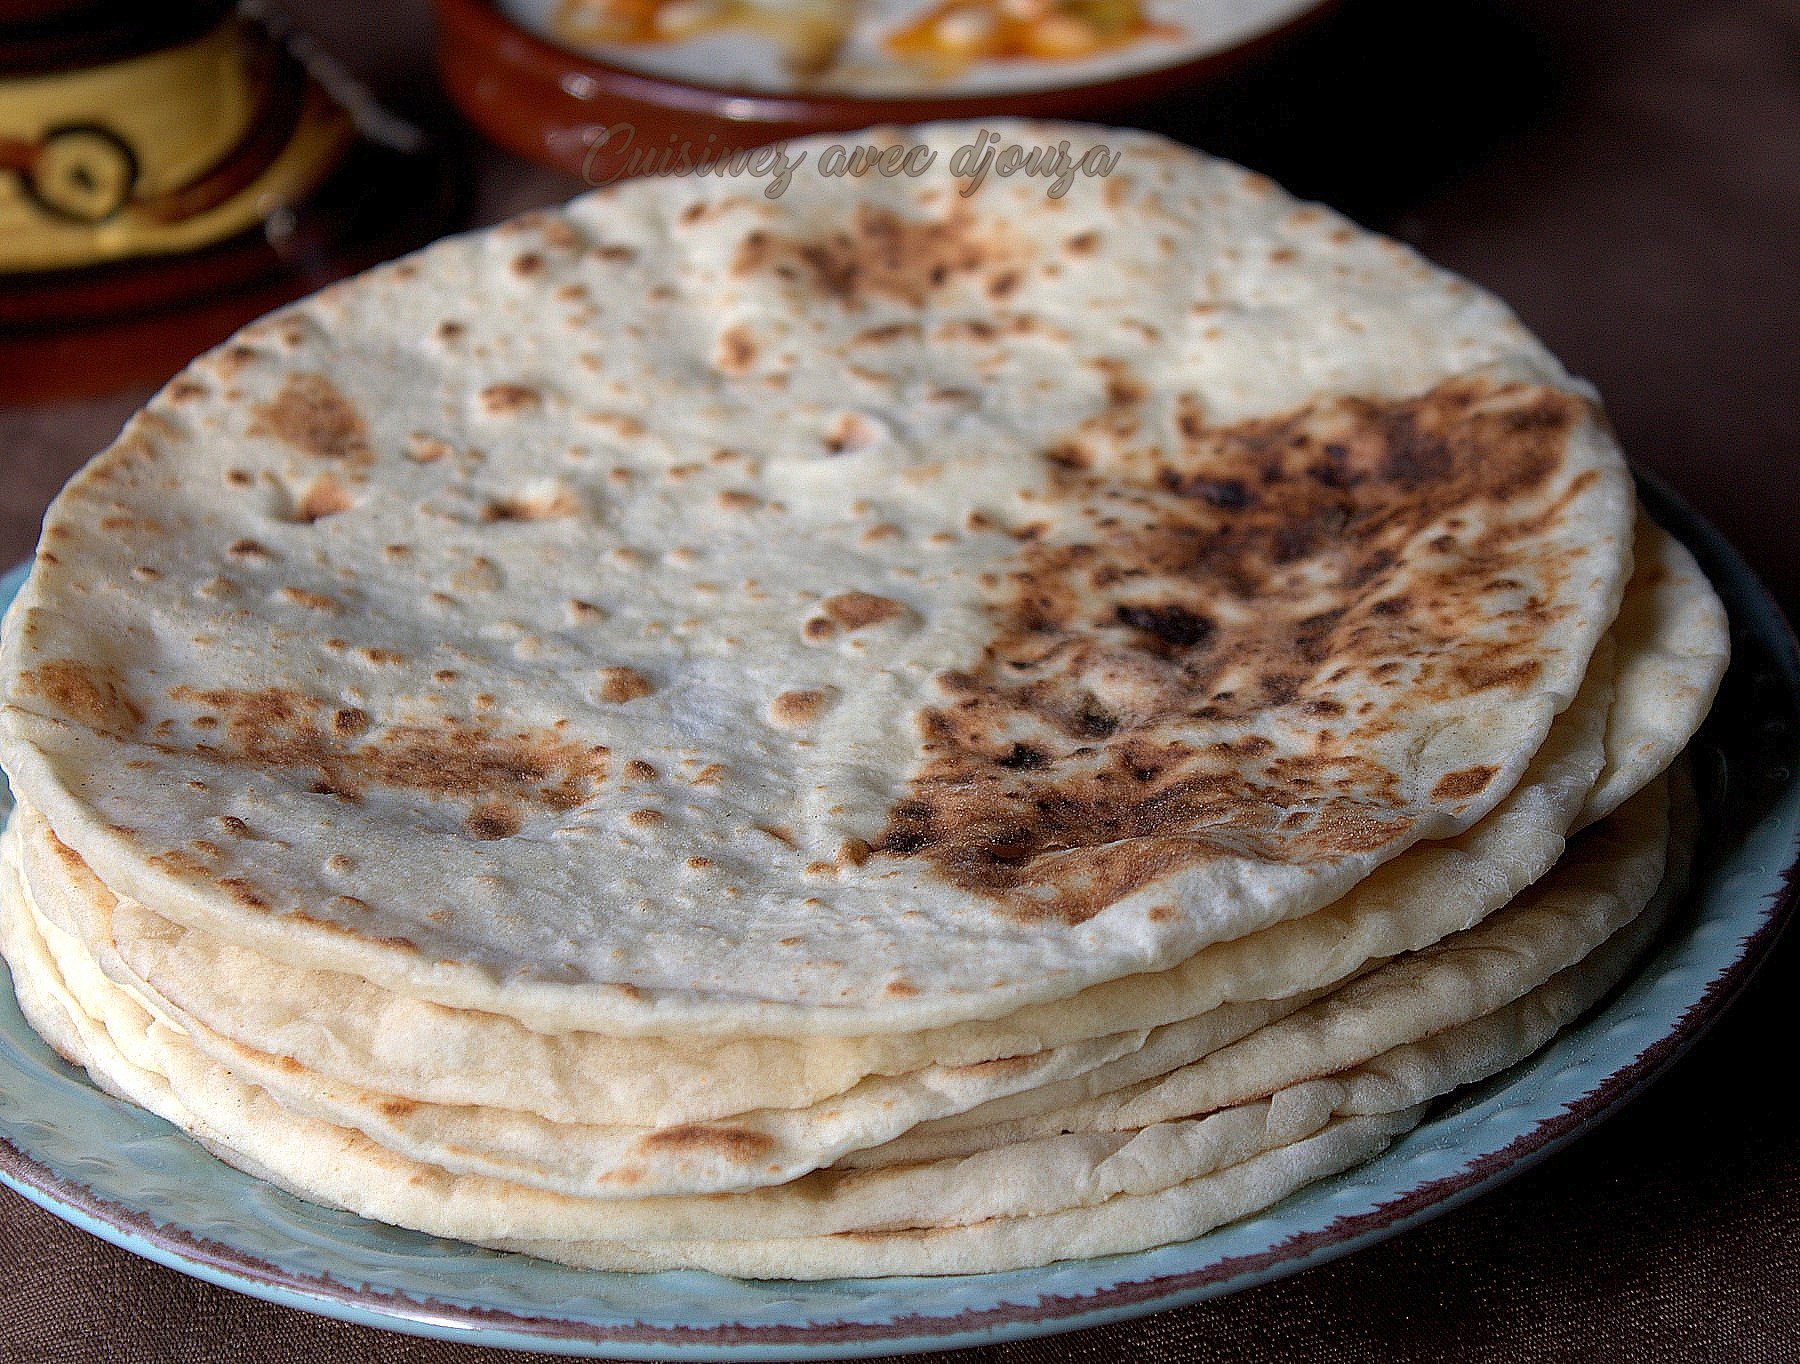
[(525, 82)]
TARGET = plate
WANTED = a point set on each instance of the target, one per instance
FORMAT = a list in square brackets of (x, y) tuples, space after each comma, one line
[(135, 1181), (514, 73), (842, 47)]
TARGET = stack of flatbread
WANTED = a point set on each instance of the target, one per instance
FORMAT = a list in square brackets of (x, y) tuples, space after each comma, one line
[(891, 728)]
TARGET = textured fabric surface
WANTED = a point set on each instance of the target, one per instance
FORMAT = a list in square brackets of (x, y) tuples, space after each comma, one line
[(1629, 178)]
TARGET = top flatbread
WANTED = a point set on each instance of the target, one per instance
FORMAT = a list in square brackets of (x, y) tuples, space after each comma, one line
[(848, 612)]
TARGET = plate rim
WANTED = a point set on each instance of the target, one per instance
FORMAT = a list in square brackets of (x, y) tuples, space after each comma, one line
[(1125, 1297), (527, 48)]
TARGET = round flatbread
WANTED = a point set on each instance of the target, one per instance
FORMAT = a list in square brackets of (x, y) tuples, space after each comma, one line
[(1013, 1203), (851, 612)]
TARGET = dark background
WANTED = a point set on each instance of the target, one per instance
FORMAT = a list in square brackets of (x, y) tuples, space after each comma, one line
[(1627, 175)]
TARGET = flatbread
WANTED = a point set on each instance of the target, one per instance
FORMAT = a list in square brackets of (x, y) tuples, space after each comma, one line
[(349, 1030), (238, 1005), (1674, 645), (1165, 1181), (840, 614), (1600, 885), (905, 726)]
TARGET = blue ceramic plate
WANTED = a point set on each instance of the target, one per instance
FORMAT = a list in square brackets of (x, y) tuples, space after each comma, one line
[(133, 1180)]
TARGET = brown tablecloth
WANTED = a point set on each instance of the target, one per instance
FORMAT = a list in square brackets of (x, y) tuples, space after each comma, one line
[(1629, 177)]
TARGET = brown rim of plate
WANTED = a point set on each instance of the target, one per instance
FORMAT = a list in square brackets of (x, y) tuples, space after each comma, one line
[(544, 101)]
